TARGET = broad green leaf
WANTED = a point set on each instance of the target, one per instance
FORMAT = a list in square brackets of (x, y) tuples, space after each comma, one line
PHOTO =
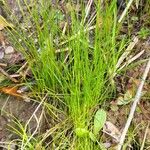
[(92, 137), (99, 120), (81, 132)]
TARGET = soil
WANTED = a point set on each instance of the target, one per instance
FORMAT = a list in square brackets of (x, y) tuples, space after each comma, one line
[(14, 107)]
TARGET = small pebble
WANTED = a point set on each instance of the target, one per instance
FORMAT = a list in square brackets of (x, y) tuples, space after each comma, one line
[(1, 54), (9, 50), (107, 144)]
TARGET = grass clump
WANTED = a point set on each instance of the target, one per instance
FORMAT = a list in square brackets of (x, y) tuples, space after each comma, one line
[(75, 61)]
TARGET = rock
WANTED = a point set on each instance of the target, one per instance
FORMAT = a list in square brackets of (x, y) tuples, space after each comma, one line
[(9, 50)]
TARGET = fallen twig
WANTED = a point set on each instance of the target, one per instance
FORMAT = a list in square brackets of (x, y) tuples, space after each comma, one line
[(15, 75), (124, 56), (87, 9), (127, 52), (62, 50), (133, 107), (38, 121), (131, 60), (3, 64), (125, 11), (7, 75), (22, 67), (145, 135)]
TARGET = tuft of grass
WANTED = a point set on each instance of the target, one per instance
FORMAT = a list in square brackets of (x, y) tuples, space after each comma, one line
[(76, 61)]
